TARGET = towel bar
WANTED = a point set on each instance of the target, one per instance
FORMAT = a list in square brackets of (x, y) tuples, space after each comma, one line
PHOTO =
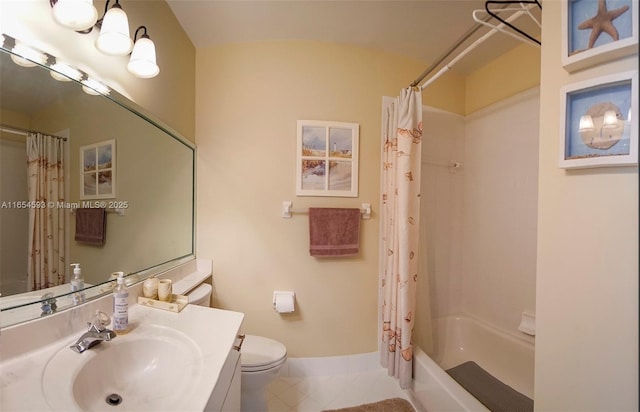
[(287, 211), (117, 210)]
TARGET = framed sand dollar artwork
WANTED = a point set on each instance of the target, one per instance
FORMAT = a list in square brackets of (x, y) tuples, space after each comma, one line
[(599, 123), (327, 158), (597, 31)]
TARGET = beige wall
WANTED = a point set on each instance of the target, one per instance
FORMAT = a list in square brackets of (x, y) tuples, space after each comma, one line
[(447, 93), (170, 96), (249, 97), (154, 175), (13, 240), (587, 266), (509, 74)]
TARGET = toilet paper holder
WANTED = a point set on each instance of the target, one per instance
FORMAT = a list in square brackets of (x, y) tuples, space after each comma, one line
[(284, 301)]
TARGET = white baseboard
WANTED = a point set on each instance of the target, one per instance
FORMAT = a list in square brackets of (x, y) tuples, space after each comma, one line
[(330, 365)]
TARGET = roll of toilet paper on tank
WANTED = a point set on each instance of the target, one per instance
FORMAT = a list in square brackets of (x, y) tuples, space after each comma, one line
[(284, 301)]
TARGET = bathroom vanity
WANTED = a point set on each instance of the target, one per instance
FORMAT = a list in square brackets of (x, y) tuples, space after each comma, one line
[(168, 361)]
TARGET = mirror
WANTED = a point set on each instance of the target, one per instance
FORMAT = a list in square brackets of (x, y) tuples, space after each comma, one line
[(153, 180)]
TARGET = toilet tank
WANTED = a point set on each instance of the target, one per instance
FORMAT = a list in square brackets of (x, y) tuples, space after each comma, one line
[(201, 295)]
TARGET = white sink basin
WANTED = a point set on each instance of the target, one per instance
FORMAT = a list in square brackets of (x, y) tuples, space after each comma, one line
[(152, 368)]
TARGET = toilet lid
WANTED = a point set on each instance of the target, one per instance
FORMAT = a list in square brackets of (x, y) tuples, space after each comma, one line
[(259, 353), (199, 294)]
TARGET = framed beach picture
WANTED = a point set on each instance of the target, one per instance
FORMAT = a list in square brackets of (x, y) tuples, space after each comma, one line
[(98, 170), (597, 31), (599, 124), (327, 158)]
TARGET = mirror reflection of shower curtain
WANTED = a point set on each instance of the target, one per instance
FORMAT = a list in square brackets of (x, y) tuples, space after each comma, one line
[(45, 178), (400, 213)]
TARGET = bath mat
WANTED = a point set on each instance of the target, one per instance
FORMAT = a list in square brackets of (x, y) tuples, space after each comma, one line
[(492, 393), (387, 405)]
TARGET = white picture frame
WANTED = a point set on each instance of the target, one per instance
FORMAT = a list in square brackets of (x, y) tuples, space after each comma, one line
[(98, 170), (327, 158), (599, 122), (577, 53)]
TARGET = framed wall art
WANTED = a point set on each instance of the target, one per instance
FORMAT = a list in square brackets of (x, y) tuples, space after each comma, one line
[(327, 158), (597, 31), (599, 123), (98, 170)]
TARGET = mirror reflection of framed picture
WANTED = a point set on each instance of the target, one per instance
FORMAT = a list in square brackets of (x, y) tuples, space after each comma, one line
[(327, 159), (600, 122), (597, 31), (98, 170)]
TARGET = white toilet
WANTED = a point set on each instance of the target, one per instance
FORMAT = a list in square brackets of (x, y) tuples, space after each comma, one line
[(260, 357)]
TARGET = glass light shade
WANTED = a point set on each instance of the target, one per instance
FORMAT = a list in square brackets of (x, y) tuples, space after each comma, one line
[(114, 36), (26, 56), (94, 87), (75, 14), (610, 120), (586, 123), (64, 73), (143, 59)]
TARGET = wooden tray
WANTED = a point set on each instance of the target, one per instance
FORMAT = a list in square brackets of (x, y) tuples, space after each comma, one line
[(176, 304)]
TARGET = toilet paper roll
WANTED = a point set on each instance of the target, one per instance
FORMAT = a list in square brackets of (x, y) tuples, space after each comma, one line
[(284, 302)]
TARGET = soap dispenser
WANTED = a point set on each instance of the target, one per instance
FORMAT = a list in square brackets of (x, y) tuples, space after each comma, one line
[(121, 306), (77, 285)]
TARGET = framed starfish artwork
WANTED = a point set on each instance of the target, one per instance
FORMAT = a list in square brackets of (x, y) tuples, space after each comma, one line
[(600, 122), (597, 31)]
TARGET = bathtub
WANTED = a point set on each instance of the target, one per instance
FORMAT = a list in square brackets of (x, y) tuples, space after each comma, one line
[(458, 339)]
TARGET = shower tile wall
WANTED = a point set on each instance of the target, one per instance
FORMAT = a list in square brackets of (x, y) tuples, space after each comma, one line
[(479, 221), (500, 211), (441, 220)]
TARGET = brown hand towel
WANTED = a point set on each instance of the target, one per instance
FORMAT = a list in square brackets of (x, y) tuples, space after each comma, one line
[(334, 232), (91, 225)]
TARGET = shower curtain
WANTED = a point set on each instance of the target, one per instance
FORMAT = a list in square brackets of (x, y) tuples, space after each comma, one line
[(45, 178), (400, 231)]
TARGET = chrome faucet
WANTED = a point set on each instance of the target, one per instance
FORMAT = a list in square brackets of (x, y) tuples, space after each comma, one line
[(96, 333), (48, 304)]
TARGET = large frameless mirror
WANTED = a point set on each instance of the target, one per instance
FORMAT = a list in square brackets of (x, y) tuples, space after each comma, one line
[(112, 156)]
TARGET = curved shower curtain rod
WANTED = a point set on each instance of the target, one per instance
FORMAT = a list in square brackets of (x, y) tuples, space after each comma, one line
[(525, 6), (24, 132)]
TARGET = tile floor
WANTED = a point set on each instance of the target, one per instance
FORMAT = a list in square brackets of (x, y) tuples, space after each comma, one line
[(317, 393)]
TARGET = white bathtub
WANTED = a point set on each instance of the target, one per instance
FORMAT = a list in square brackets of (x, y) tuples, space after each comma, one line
[(459, 339)]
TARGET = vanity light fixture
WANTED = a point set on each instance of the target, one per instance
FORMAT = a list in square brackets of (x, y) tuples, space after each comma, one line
[(586, 124), (114, 38), (26, 56), (143, 57), (610, 120), (63, 72), (93, 87), (74, 14)]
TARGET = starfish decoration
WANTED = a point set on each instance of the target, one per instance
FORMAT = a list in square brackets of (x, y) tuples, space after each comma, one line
[(602, 22)]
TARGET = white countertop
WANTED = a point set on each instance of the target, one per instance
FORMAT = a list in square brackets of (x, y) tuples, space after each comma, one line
[(213, 330), (26, 349)]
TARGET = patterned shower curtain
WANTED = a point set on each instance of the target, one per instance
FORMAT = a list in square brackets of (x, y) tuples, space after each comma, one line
[(400, 229), (45, 173)]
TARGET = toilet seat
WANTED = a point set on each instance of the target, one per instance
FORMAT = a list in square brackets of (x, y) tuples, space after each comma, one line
[(259, 354)]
